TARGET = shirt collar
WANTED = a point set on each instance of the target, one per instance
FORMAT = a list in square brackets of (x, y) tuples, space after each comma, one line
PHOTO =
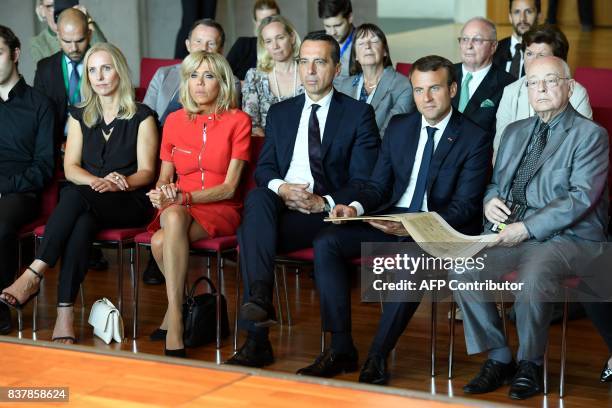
[(69, 61), (19, 88), (323, 102), (441, 125), (514, 41), (477, 75)]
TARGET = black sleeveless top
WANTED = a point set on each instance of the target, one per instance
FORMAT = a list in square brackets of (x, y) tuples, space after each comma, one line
[(99, 156)]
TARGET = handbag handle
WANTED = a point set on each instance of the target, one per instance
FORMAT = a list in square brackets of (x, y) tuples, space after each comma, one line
[(213, 289)]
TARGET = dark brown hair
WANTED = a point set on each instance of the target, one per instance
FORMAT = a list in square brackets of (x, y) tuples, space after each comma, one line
[(11, 40), (332, 8), (434, 63), (548, 34), (362, 31), (265, 5)]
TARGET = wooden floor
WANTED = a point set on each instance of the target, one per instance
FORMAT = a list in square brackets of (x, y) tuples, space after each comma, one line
[(297, 345), (120, 380)]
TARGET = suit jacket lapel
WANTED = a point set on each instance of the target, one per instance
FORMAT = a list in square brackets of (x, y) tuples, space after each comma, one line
[(484, 89), (556, 138), (288, 138), (459, 74), (407, 148), (334, 115), (57, 79), (450, 135), (384, 86)]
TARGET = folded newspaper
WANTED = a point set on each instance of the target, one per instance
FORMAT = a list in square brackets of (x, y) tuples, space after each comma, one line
[(434, 235)]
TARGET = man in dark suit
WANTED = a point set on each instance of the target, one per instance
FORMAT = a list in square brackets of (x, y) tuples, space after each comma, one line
[(319, 149), (431, 160), (59, 76), (509, 55), (481, 83)]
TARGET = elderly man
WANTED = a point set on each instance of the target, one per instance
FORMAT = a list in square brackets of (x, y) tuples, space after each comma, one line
[(431, 160), (337, 16), (523, 15), (481, 82), (26, 157), (320, 148), (541, 41), (549, 191), (46, 43)]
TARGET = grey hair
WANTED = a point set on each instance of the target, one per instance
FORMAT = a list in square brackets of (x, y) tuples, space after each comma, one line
[(566, 69), (484, 20)]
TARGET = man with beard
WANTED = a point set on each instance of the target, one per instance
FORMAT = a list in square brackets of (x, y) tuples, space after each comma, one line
[(523, 14)]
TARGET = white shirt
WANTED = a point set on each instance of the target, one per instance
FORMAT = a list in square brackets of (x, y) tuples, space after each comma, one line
[(299, 168), (477, 78), (513, 42), (406, 198)]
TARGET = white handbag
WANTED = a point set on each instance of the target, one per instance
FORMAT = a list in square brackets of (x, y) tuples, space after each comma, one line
[(106, 321)]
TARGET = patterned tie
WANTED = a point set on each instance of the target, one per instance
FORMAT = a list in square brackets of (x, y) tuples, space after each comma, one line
[(527, 167), (515, 65), (421, 185), (465, 92), (314, 152), (74, 95)]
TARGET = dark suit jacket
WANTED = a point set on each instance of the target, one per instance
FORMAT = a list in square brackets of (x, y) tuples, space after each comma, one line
[(503, 55), (50, 81), (458, 173), (491, 88), (243, 56), (349, 147)]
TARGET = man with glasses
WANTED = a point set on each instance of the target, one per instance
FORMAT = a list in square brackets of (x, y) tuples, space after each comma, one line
[(481, 82), (46, 42), (553, 167)]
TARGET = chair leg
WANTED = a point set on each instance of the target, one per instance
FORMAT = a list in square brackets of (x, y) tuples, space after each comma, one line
[(82, 295), (322, 341), (563, 348), (434, 310), (19, 255), (19, 323), (545, 374), (35, 315), (279, 305), (237, 304), (120, 277), (287, 304), (451, 341), (218, 308), (503, 316), (135, 268)]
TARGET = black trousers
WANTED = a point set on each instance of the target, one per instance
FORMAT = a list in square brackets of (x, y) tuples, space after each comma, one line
[(334, 247), (269, 227), (585, 12), (79, 215), (16, 210), (193, 10)]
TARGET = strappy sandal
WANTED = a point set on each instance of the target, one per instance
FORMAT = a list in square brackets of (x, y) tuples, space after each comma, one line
[(71, 338), (17, 305)]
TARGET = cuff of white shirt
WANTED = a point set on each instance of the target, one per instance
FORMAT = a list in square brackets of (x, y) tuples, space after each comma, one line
[(330, 200), (359, 208), (275, 184)]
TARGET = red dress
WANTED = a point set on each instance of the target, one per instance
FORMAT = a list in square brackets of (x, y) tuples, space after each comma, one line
[(201, 151)]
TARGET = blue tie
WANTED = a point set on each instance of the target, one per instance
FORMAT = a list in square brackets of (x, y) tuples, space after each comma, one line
[(421, 184), (74, 95)]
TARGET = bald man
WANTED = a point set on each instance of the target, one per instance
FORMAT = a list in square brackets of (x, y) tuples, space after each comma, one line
[(59, 76), (548, 197)]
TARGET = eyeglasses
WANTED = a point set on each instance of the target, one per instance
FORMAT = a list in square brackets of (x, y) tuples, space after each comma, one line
[(365, 43), (477, 41), (551, 81)]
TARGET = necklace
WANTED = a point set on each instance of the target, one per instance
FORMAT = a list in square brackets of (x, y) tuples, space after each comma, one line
[(107, 135), (278, 93)]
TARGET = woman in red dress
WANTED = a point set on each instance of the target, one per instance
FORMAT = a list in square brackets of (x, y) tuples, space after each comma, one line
[(206, 144)]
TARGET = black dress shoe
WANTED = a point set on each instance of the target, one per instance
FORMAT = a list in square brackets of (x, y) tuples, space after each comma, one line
[(527, 382), (152, 275), (606, 374), (180, 353), (492, 375), (253, 354), (158, 335), (329, 364), (374, 371), (5, 320)]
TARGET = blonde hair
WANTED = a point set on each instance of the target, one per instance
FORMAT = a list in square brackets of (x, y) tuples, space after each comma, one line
[(221, 70), (265, 62), (92, 107)]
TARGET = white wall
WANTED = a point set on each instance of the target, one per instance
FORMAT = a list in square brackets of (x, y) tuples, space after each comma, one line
[(457, 10)]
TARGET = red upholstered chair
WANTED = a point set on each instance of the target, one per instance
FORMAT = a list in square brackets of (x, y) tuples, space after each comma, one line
[(403, 68), (603, 116), (597, 82), (148, 68), (219, 247)]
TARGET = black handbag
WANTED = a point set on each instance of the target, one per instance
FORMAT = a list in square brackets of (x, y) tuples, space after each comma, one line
[(200, 318)]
